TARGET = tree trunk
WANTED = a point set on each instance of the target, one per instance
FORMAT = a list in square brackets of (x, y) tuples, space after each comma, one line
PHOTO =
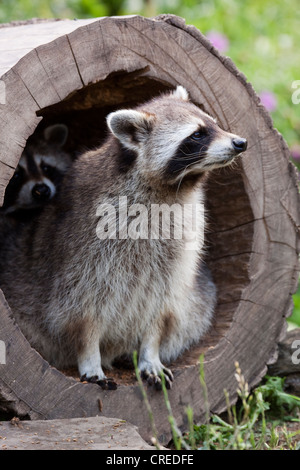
[(76, 72)]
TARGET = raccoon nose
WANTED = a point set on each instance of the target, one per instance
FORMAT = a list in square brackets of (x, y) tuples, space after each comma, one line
[(239, 144), (41, 192)]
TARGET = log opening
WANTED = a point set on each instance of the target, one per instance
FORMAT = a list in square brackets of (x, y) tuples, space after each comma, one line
[(229, 213)]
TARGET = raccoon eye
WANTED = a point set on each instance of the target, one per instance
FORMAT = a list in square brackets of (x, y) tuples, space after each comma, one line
[(17, 175), (198, 135), (45, 168)]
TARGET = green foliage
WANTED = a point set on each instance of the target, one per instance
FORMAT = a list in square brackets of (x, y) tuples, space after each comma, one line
[(25, 9), (263, 36), (279, 402), (96, 8), (295, 318), (264, 39), (256, 422), (11, 10), (251, 424)]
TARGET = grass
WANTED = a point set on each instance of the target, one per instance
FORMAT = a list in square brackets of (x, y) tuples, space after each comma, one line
[(266, 419), (258, 421)]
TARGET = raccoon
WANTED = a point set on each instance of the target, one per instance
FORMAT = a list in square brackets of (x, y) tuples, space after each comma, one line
[(39, 172), (86, 300)]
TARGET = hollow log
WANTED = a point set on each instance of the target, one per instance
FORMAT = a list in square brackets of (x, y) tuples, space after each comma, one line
[(76, 72)]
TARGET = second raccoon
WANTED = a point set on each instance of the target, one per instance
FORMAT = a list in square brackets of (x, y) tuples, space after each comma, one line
[(39, 173)]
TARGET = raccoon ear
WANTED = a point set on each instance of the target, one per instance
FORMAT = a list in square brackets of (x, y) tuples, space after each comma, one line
[(131, 127), (56, 134), (181, 93)]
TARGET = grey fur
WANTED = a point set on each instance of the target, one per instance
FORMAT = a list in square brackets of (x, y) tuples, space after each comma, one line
[(71, 292)]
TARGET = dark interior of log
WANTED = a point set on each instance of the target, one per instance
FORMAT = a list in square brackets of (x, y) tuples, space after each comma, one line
[(229, 214)]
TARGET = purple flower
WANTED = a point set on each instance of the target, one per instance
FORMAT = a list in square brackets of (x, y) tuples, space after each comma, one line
[(218, 40), (295, 152), (268, 99)]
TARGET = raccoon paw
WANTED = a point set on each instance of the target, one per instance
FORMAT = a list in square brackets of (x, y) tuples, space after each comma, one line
[(105, 383), (153, 377)]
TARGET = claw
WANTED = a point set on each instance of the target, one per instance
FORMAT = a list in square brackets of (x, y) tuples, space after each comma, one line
[(168, 374), (105, 383), (108, 384), (154, 379)]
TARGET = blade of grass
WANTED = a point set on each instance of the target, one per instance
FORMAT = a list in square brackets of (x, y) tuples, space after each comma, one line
[(146, 401), (176, 433)]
